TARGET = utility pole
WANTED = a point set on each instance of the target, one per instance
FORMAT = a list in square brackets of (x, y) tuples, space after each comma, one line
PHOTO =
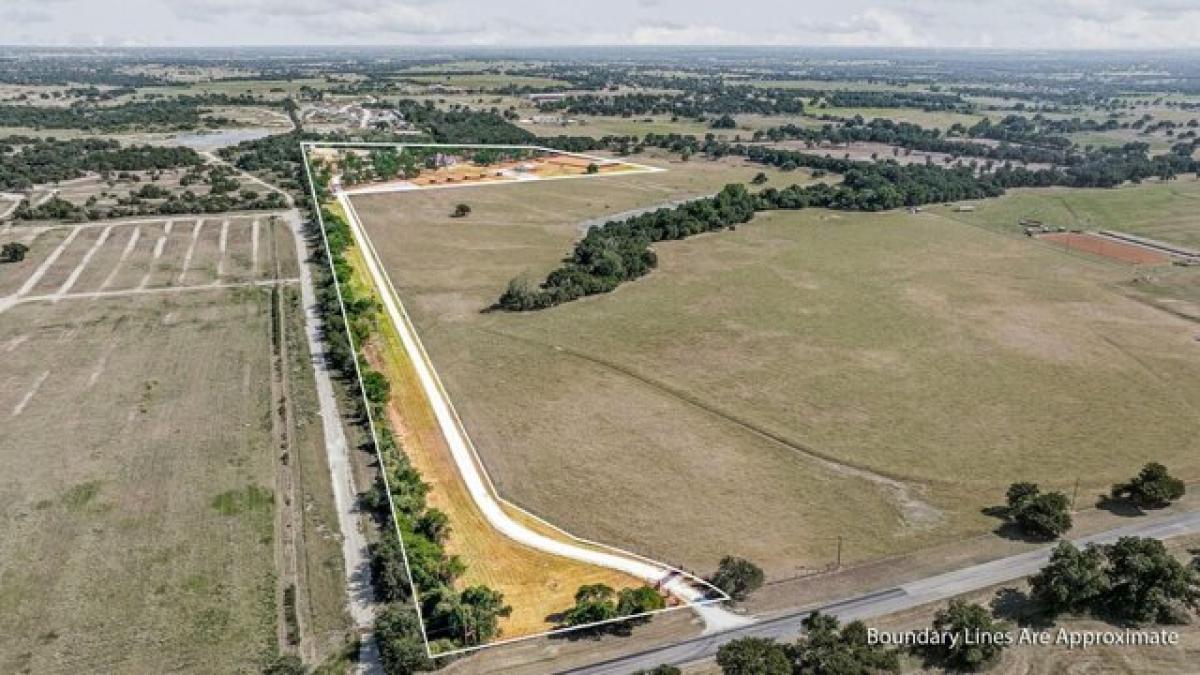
[(1075, 494), (838, 565)]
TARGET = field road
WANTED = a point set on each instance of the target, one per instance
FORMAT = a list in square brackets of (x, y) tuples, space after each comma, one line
[(890, 600), (355, 552), (585, 225), (689, 589)]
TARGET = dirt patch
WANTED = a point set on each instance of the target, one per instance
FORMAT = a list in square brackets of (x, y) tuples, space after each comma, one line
[(1107, 248)]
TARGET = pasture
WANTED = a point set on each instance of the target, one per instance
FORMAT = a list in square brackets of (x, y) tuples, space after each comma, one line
[(878, 377), (1156, 209), (142, 453)]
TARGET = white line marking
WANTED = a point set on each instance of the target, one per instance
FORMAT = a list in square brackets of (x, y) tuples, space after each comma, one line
[(99, 369), (15, 342), (221, 243), (191, 249), (38, 229), (254, 248), (133, 240), (689, 588), (45, 266), (158, 251), (148, 291), (83, 262), (20, 406), (476, 476)]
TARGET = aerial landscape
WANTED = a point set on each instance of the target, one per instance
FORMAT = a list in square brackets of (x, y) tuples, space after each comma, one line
[(656, 338)]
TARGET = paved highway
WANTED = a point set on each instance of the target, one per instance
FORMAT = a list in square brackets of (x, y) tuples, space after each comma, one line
[(890, 600)]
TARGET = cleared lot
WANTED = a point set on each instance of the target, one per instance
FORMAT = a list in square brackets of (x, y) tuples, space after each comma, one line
[(140, 488), (878, 377), (140, 485)]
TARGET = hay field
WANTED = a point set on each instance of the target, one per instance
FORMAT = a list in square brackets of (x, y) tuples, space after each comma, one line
[(880, 377)]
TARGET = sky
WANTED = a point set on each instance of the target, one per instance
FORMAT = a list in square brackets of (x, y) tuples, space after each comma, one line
[(1000, 24)]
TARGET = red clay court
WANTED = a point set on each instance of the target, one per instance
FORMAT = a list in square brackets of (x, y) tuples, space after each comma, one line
[(1107, 248)]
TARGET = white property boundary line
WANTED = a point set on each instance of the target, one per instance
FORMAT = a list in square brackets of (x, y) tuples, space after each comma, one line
[(386, 188), (624, 561)]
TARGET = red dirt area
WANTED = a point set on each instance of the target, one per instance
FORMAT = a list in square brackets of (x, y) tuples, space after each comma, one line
[(1108, 248)]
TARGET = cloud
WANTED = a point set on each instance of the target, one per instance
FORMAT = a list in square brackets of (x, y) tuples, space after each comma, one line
[(873, 27), (1019, 24), (348, 21), (22, 15)]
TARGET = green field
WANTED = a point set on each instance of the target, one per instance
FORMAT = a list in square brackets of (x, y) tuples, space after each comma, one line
[(1166, 211), (880, 377)]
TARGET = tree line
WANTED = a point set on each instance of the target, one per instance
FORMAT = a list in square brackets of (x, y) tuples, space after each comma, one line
[(165, 114), (28, 161), (453, 618), (620, 251)]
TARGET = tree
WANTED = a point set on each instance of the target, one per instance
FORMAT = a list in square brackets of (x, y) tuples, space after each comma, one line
[(1073, 580), (1147, 584), (13, 251), (753, 656), (759, 178), (1019, 493), (479, 620), (376, 387), (398, 638), (521, 295), (1152, 488), (660, 670), (724, 122), (461, 211), (631, 601), (593, 603), (827, 649), (963, 618), (389, 575), (738, 577), (435, 525), (286, 664), (1045, 515)]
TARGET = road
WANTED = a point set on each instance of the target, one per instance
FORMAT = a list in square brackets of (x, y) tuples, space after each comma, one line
[(889, 600), (679, 584), (355, 552)]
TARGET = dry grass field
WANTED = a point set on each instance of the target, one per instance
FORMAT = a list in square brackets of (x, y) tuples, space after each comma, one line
[(537, 586), (878, 377), (141, 464)]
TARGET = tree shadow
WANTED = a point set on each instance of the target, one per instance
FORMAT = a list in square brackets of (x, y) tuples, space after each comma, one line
[(1017, 607), (621, 628), (1013, 532), (1119, 507)]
